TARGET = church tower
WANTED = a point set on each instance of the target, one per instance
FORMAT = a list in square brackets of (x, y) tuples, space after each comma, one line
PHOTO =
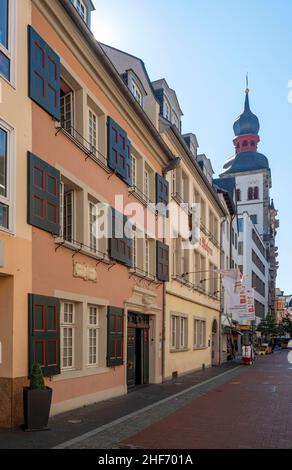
[(253, 183)]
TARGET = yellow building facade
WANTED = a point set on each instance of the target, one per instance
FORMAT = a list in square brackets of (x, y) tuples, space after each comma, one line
[(192, 309)]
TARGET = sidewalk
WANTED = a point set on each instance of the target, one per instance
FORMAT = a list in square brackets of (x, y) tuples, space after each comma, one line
[(69, 426)]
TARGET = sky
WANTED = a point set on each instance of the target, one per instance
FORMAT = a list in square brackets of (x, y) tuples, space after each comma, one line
[(204, 50)]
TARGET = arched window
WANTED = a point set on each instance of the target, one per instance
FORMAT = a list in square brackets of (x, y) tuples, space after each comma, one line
[(238, 195), (256, 192), (253, 193), (245, 143)]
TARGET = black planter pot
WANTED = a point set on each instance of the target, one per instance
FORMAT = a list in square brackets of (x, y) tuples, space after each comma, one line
[(36, 408)]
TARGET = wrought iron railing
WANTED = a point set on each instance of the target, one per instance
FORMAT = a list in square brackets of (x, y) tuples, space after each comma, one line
[(90, 150)]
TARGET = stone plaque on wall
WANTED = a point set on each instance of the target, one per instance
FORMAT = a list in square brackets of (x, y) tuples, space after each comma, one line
[(85, 272)]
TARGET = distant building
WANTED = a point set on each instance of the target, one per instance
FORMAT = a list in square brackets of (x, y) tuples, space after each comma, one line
[(257, 215)]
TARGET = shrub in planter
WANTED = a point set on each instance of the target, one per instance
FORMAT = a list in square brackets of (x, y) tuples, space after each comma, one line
[(36, 401)]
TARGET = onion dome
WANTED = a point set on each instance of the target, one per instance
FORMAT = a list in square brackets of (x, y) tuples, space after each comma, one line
[(247, 122)]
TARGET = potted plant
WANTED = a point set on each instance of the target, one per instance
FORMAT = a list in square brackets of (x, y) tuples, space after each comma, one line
[(36, 401)]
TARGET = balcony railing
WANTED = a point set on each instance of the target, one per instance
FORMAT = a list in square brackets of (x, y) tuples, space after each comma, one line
[(141, 196), (84, 145), (179, 199)]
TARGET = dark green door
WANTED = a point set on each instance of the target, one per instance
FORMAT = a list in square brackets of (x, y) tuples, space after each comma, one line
[(137, 350)]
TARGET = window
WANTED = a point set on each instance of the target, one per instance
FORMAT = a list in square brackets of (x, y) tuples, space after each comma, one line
[(67, 212), (199, 333), (67, 117), (147, 255), (236, 241), (166, 110), (178, 333), (5, 38), (81, 8), (134, 171), (147, 184), (240, 248), (135, 250), (254, 219), (253, 193), (4, 209), (174, 182), (175, 120), (240, 225), (136, 92), (67, 335), (93, 336), (238, 195), (92, 131), (93, 227)]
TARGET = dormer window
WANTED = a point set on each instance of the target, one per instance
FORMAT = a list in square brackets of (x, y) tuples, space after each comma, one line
[(81, 8), (137, 93), (175, 119), (166, 110)]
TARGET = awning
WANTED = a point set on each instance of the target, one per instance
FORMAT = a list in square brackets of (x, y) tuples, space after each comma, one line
[(228, 330)]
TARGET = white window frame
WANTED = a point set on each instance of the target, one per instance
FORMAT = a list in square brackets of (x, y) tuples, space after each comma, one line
[(136, 92), (178, 332), (9, 199), (200, 333), (93, 327), (134, 171), (93, 131), (135, 250), (175, 119), (12, 38), (91, 234), (70, 326), (147, 184), (166, 109), (63, 100), (62, 210), (174, 182), (147, 253), (78, 4)]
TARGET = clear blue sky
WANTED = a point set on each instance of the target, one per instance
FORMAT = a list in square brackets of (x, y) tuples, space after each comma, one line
[(204, 49)]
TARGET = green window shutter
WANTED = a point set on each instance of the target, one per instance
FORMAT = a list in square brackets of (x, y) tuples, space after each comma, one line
[(162, 194), (120, 247), (115, 336), (162, 257), (119, 151), (44, 74), (44, 334), (43, 195)]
